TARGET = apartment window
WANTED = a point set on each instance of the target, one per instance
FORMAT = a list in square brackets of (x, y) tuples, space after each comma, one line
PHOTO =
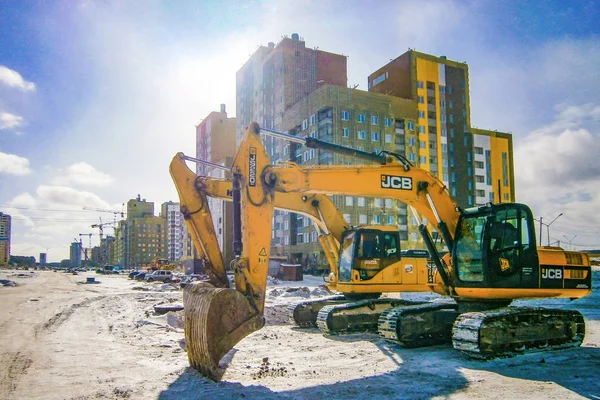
[(346, 132), (375, 136), (421, 100), (421, 114), (479, 164), (450, 104), (361, 201), (361, 118), (305, 157), (480, 193), (505, 196), (362, 219), (377, 219), (453, 175), (421, 129), (306, 221), (478, 150), (451, 118), (443, 118), (414, 236), (348, 218), (423, 160), (313, 237), (362, 135), (313, 119), (349, 201), (479, 178), (286, 225), (412, 157), (420, 84), (377, 202), (389, 138), (304, 124), (345, 116), (442, 89), (469, 157), (411, 141), (422, 144), (444, 147), (442, 103), (388, 122), (374, 120), (390, 220), (410, 125), (388, 203), (470, 185), (300, 238)]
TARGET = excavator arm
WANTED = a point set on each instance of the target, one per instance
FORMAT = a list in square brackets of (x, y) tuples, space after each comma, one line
[(194, 190)]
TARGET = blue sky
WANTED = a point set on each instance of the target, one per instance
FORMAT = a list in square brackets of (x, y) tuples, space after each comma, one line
[(97, 96)]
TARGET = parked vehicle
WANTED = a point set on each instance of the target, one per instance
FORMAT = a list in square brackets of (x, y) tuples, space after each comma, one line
[(133, 274), (164, 276), (140, 277)]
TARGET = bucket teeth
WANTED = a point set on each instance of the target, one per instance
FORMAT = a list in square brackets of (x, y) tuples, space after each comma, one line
[(216, 319)]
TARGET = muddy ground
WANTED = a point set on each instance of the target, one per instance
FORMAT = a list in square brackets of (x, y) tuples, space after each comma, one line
[(64, 339)]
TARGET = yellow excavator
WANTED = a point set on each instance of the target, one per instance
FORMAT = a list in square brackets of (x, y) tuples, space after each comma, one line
[(492, 260)]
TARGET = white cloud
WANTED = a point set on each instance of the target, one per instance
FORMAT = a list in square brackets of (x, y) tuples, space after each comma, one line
[(83, 173), (12, 164), (557, 170), (23, 200), (10, 121), (63, 195), (13, 79)]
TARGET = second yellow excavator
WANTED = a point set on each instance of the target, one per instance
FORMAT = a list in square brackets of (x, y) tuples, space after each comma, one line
[(492, 259)]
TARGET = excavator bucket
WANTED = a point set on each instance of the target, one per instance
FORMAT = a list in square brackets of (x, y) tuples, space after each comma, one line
[(216, 317), (215, 320)]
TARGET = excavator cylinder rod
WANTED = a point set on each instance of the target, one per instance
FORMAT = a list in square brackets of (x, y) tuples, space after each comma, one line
[(215, 320)]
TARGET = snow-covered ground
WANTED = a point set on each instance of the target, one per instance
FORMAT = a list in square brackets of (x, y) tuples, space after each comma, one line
[(64, 339)]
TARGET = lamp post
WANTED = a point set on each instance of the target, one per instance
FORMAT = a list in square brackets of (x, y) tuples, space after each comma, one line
[(548, 226), (570, 248)]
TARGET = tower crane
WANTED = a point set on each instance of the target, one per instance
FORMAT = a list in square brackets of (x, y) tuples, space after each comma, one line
[(113, 212), (90, 243), (101, 226)]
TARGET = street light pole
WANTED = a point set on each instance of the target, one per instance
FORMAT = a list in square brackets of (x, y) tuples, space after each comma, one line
[(570, 248), (548, 226)]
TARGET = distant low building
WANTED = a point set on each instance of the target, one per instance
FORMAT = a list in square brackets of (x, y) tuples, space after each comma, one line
[(5, 221)]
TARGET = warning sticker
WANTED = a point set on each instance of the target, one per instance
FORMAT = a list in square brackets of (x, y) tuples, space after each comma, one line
[(262, 252)]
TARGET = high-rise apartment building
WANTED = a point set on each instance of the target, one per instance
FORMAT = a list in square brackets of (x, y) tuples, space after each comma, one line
[(172, 213), (439, 89), (5, 222), (75, 253), (417, 106), (215, 142), (277, 77), (140, 238)]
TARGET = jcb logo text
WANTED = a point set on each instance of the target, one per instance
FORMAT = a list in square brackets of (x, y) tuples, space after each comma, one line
[(396, 182), (549, 273)]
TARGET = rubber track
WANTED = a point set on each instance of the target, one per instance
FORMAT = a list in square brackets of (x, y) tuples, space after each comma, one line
[(391, 319), (291, 310), (468, 327), (329, 311)]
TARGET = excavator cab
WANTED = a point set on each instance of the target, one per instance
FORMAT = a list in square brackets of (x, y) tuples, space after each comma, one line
[(367, 250), (495, 247)]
